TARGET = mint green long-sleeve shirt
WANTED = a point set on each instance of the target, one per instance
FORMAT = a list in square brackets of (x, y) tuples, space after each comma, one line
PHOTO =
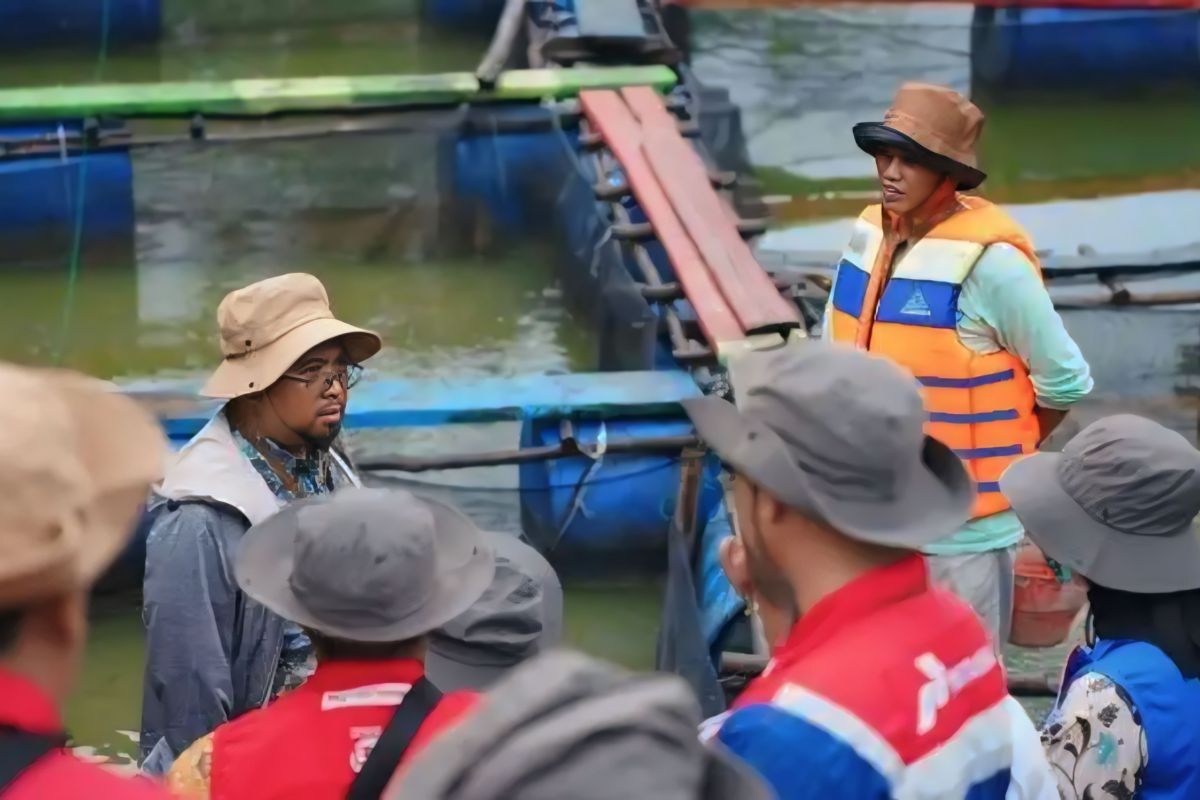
[(1005, 306)]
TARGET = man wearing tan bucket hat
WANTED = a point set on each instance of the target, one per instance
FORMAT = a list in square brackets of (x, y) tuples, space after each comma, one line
[(212, 653), (949, 287), (76, 461)]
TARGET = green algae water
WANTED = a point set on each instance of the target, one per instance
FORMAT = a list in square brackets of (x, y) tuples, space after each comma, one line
[(364, 213)]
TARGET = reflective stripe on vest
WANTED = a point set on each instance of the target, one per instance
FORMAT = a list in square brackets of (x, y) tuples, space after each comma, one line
[(979, 405), (1167, 705)]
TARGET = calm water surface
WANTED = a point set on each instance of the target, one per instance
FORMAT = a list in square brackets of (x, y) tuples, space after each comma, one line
[(364, 215)]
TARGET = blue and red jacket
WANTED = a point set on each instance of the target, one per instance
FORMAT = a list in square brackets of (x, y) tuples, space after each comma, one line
[(887, 688)]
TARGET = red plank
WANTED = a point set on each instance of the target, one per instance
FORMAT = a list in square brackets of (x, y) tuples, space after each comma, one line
[(610, 116), (684, 177)]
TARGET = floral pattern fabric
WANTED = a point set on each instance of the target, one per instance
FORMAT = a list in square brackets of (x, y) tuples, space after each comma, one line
[(291, 477), (1095, 741)]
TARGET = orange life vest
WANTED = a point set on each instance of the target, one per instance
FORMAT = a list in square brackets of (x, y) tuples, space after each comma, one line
[(979, 405)]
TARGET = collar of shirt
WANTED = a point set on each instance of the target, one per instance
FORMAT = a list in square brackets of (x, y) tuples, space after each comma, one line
[(333, 676), (305, 475), (876, 589), (26, 706)]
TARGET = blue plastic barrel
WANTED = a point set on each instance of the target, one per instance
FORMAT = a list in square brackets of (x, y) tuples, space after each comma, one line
[(480, 15), (55, 23), (1056, 48), (42, 199), (610, 514)]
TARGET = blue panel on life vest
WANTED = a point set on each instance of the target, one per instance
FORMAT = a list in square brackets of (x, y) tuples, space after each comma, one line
[(989, 452), (1002, 415), (849, 288), (934, 382), (930, 304)]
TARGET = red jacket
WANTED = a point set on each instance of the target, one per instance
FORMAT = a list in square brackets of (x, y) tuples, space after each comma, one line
[(59, 775), (312, 741), (887, 687)]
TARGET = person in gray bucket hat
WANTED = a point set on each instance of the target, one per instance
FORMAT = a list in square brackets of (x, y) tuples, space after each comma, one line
[(564, 725), (1118, 506), (368, 574), (835, 489)]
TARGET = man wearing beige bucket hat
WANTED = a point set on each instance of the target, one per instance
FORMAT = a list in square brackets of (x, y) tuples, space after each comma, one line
[(211, 652), (949, 287), (76, 461)]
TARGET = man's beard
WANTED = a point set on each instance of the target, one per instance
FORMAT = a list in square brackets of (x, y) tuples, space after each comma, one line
[(326, 440), (769, 582)]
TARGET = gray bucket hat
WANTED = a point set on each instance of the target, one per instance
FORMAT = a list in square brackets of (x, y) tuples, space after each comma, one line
[(834, 432), (1117, 505), (566, 725), (519, 616), (367, 565)]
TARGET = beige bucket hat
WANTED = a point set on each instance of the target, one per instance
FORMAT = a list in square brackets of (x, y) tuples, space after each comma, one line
[(76, 461), (267, 325), (935, 125)]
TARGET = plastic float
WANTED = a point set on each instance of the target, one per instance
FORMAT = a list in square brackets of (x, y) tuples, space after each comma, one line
[(79, 23)]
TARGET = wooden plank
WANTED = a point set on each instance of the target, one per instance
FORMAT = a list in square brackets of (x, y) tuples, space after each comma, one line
[(680, 170), (418, 403), (612, 119), (266, 96)]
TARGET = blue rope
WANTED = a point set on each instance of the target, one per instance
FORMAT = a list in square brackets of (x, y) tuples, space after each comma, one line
[(76, 253)]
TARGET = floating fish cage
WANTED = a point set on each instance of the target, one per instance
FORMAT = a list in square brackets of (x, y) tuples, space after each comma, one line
[(1026, 49)]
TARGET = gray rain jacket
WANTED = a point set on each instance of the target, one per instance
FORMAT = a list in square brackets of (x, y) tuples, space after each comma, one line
[(211, 652)]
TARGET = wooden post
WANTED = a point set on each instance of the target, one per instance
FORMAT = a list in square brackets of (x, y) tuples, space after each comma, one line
[(687, 504)]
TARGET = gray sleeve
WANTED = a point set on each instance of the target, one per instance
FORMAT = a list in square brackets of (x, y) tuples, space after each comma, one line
[(189, 609)]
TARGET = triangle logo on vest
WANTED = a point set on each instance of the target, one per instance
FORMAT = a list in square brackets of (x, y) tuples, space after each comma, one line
[(916, 305)]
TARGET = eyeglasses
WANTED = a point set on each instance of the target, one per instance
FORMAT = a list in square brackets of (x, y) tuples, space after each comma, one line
[(347, 374)]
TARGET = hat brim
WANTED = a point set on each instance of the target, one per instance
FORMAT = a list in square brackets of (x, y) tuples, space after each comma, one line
[(465, 566), (259, 369), (451, 675), (1070, 535), (871, 137), (933, 505)]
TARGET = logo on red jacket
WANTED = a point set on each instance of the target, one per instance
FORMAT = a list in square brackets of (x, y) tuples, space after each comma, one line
[(364, 739)]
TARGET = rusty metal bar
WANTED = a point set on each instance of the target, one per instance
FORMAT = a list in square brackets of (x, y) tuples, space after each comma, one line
[(1019, 684), (687, 503), (568, 448), (503, 41)]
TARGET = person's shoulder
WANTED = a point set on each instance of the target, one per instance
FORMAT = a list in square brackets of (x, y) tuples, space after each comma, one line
[(65, 775), (800, 756), (192, 521), (453, 706)]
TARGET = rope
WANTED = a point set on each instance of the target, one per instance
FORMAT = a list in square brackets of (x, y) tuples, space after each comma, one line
[(76, 252)]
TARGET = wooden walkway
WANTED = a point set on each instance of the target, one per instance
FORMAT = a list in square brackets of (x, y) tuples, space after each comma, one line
[(732, 294)]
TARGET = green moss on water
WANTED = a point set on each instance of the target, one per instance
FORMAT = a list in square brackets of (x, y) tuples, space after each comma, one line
[(618, 623), (776, 180)]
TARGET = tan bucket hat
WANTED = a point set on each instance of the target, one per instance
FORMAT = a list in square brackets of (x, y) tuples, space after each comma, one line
[(267, 325), (76, 461), (936, 125)]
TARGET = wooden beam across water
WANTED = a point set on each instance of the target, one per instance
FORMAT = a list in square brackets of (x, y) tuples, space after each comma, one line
[(399, 403), (265, 97)]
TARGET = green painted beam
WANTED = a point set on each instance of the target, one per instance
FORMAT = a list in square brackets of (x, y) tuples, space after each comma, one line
[(261, 97)]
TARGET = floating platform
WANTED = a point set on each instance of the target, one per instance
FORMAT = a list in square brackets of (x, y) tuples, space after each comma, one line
[(27, 24), (599, 508), (1036, 50)]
